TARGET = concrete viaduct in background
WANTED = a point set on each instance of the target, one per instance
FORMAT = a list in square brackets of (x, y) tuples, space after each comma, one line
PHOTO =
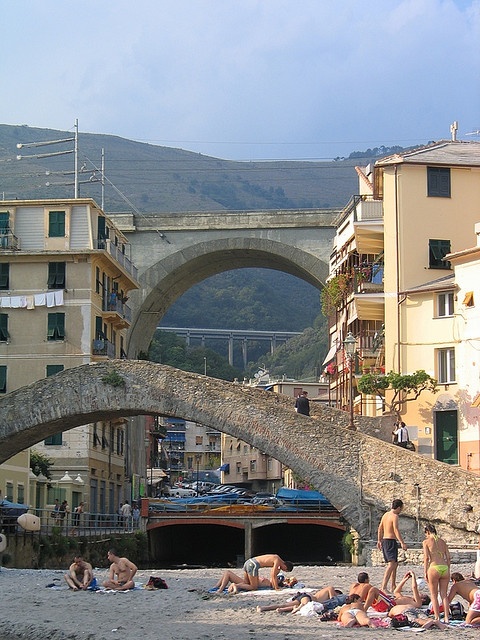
[(175, 251), (360, 474)]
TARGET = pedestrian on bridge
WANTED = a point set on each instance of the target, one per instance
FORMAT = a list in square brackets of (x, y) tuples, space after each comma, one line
[(302, 404)]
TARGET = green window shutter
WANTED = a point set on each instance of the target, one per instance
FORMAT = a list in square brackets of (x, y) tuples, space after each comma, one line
[(4, 222), (52, 369), (438, 182), (56, 275), (56, 224), (438, 249), (56, 326), (4, 275), (3, 379), (4, 327), (101, 228), (99, 328)]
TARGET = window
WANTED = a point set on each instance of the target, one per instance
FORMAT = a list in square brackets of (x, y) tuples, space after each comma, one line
[(4, 327), (3, 378), (56, 326), (9, 491), (56, 439), (445, 304), (438, 182), (437, 250), (199, 440), (56, 224), (253, 465), (52, 369), (4, 222), (95, 438), (20, 493), (56, 275), (446, 365), (4, 275)]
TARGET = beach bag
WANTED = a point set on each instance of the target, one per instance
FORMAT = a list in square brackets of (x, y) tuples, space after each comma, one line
[(154, 582), (400, 620), (457, 611)]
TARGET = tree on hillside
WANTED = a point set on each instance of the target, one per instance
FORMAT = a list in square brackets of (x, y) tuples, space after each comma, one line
[(406, 387)]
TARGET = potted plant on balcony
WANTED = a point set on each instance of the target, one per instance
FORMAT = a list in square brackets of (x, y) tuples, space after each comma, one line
[(334, 292)]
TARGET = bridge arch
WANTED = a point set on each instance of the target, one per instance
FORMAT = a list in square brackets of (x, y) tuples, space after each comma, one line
[(169, 278), (358, 473)]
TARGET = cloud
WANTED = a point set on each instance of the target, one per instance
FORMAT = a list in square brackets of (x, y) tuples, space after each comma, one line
[(256, 78)]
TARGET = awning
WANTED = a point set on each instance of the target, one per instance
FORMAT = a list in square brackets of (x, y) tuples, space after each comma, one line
[(330, 355), (225, 468)]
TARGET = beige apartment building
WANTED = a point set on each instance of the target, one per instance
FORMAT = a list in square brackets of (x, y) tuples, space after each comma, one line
[(426, 203), (65, 276)]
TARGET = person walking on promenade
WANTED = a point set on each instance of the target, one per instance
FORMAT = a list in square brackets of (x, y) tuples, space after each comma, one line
[(436, 561), (388, 538)]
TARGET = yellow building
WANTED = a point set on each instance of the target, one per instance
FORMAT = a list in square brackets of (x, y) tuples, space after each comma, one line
[(65, 275), (414, 209), (430, 205)]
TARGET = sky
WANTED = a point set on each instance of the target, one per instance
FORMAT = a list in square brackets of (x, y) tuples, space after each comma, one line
[(245, 79)]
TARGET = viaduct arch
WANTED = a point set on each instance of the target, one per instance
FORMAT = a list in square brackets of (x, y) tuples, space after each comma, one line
[(166, 280), (358, 473)]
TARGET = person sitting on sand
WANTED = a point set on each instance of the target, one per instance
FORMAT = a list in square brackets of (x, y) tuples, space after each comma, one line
[(234, 583), (80, 574), (301, 598), (353, 614), (122, 571), (252, 567)]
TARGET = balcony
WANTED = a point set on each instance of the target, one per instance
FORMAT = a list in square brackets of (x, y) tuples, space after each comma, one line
[(9, 241), (103, 347), (115, 310), (118, 255)]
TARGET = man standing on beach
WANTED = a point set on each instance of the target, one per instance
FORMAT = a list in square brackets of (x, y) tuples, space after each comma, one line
[(122, 571), (388, 538), (252, 568)]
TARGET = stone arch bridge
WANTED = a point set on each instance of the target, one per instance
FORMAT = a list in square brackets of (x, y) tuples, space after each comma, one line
[(175, 251), (359, 473)]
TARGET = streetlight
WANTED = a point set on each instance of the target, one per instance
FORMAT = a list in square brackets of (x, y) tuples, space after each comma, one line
[(205, 365), (349, 344)]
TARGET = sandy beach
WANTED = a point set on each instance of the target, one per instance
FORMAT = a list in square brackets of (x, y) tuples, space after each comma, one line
[(185, 611)]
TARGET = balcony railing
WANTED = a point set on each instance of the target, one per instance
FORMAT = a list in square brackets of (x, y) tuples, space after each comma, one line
[(117, 254), (9, 241), (113, 303), (103, 347), (368, 277)]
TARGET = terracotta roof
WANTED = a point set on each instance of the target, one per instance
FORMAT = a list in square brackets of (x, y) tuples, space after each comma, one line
[(445, 152)]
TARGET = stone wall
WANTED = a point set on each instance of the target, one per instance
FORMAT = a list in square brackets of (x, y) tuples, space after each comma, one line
[(359, 474)]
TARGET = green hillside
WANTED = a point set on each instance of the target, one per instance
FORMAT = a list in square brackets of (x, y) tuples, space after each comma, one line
[(155, 178)]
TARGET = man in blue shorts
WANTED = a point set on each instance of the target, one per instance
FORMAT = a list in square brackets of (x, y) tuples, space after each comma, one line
[(389, 537)]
